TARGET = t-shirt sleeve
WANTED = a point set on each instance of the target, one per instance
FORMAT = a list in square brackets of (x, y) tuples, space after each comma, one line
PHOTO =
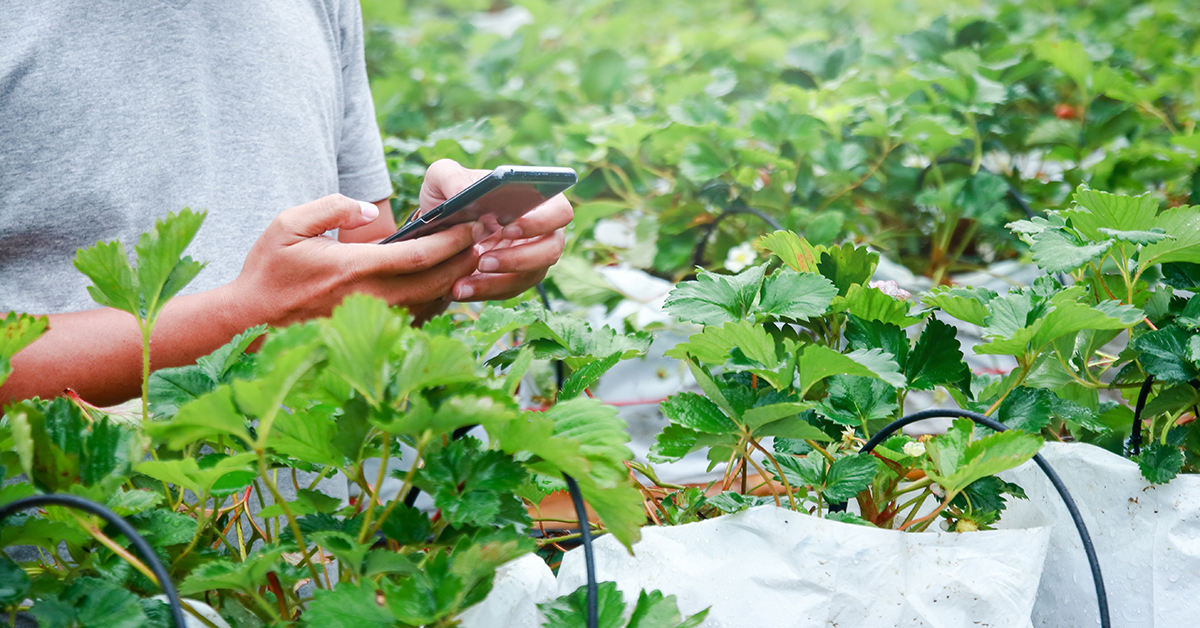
[(362, 171)]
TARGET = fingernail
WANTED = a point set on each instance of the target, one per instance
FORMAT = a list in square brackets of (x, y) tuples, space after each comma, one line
[(477, 231), (464, 293), (369, 210), (511, 232), (488, 264)]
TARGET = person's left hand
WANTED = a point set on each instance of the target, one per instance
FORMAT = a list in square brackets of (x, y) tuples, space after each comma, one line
[(516, 258)]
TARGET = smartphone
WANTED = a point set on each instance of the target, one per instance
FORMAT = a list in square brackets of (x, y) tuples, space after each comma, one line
[(496, 200)]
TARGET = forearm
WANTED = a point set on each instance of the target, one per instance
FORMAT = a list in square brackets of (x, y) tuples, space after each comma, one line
[(98, 353)]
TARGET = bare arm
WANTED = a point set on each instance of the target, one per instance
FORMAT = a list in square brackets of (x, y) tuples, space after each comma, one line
[(292, 273)]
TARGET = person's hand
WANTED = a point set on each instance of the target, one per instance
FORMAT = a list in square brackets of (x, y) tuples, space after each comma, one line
[(294, 272), (516, 258)]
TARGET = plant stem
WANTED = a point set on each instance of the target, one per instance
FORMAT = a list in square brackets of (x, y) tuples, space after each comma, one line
[(936, 512), (287, 511), (384, 454), (783, 478), (406, 486), (819, 449), (104, 540)]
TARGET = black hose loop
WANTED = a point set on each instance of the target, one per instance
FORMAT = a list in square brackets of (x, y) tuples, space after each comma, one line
[(702, 245), (111, 518), (1135, 438), (1063, 493)]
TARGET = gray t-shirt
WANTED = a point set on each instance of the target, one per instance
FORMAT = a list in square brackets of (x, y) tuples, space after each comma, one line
[(113, 113)]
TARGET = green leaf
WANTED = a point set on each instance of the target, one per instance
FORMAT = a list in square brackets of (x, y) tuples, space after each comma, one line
[(654, 610), (263, 398), (406, 525), (209, 417), (131, 502), (1069, 57), (965, 304), (162, 269), (856, 401), (1160, 463), (1138, 237), (187, 473), (578, 280), (701, 163), (163, 528), (705, 381), (847, 265), (17, 331), (359, 336), (570, 611), (730, 502), (714, 299), (794, 250), (586, 439), (14, 582), (1181, 275), (1015, 334), (937, 358), (307, 435), (796, 296), (847, 476), (873, 304), (1164, 354), (113, 283), (806, 471), (1056, 251), (868, 334), (469, 484), (1101, 210), (244, 577), (348, 605), (602, 74), (697, 413), (1183, 223), (673, 443), (95, 603), (432, 361), (959, 461), (1027, 409), (425, 596), (818, 362), (761, 415), (586, 376)]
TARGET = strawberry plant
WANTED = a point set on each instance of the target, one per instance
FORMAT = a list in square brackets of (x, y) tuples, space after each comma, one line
[(1123, 322), (225, 481), (809, 353)]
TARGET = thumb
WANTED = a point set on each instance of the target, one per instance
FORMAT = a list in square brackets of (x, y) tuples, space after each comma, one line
[(331, 212)]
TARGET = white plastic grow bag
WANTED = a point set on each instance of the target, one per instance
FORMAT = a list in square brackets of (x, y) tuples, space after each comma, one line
[(768, 566), (1147, 539), (519, 587)]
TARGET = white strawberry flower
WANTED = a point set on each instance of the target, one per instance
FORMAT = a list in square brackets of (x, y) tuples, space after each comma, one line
[(740, 257), (914, 448)]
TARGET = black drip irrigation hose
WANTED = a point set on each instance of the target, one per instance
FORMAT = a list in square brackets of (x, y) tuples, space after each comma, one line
[(585, 531), (1135, 436), (1063, 493), (143, 548), (702, 246), (1135, 439)]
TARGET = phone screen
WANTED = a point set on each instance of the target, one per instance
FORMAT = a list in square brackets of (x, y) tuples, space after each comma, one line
[(496, 200)]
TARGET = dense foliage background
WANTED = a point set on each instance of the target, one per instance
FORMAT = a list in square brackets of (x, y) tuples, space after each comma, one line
[(824, 115)]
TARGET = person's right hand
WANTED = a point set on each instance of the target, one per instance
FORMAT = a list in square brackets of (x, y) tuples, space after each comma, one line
[(294, 272)]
